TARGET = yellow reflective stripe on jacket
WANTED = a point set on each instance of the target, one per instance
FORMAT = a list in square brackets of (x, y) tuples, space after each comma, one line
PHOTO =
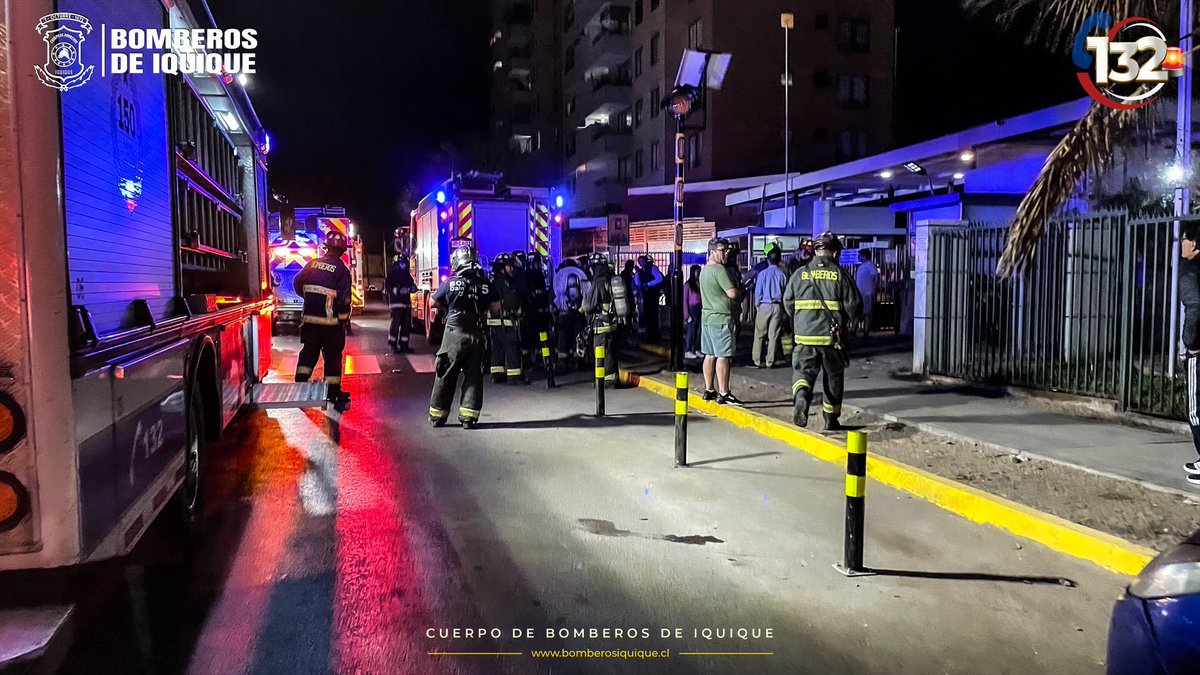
[(833, 305), (814, 340)]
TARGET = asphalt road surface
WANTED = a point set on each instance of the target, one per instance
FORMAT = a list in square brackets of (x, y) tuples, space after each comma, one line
[(362, 544)]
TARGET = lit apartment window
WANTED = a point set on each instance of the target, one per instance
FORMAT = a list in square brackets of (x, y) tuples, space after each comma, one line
[(694, 148), (637, 62), (655, 156), (639, 167), (853, 91), (639, 12), (696, 34), (655, 102), (854, 35), (654, 40)]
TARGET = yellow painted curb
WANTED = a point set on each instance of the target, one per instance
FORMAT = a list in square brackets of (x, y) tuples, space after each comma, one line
[(1111, 553), (657, 350)]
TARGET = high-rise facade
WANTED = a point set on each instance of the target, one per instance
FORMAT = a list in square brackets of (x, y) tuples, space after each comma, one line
[(620, 59), (527, 132)]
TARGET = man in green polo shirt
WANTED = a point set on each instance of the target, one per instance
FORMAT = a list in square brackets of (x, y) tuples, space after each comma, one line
[(719, 298)]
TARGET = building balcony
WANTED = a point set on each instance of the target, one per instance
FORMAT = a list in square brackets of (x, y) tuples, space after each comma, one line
[(599, 131)]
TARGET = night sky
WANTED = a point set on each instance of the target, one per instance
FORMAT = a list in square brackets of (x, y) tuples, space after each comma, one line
[(359, 95)]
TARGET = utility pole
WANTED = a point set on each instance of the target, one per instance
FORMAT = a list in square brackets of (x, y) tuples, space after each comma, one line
[(787, 21), (1183, 164)]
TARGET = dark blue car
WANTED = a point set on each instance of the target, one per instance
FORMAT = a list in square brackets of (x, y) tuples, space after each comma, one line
[(1155, 626)]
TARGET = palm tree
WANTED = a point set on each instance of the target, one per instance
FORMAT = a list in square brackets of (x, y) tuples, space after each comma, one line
[(1090, 144)]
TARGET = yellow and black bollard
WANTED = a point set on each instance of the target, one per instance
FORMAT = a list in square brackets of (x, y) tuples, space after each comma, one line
[(681, 411), (856, 505), (544, 338), (600, 375)]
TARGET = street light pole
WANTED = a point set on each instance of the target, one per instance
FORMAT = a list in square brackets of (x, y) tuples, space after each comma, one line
[(677, 347), (787, 21)]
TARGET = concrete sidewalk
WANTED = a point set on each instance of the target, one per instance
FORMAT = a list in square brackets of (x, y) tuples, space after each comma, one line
[(975, 416)]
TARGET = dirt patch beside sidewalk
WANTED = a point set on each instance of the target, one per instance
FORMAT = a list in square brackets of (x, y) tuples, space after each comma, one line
[(1128, 510)]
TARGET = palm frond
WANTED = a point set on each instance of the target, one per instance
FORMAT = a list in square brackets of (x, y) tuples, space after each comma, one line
[(1055, 22), (1088, 145)]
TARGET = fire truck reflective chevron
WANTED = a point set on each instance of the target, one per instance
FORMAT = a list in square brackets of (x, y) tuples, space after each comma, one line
[(466, 220), (539, 228)]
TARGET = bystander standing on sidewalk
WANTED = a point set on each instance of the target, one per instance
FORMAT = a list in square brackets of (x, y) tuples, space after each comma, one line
[(693, 305), (768, 296), (649, 282), (719, 298), (1189, 296), (866, 278)]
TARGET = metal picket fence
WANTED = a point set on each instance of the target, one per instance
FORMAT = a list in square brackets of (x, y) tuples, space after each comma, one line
[(1094, 315)]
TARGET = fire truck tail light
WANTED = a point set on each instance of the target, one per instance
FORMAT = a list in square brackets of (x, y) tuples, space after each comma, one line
[(14, 501), (12, 423)]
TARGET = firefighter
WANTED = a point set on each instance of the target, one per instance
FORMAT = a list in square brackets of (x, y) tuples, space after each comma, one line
[(504, 324), (535, 294), (598, 306), (466, 298), (400, 287), (570, 286), (324, 284), (820, 301)]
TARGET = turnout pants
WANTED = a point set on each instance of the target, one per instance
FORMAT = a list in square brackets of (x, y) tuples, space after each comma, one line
[(603, 332), (506, 347), (322, 341), (461, 353), (768, 324), (570, 323), (401, 326), (831, 363)]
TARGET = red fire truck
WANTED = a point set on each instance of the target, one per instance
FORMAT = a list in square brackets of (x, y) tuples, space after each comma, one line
[(477, 209), (135, 311)]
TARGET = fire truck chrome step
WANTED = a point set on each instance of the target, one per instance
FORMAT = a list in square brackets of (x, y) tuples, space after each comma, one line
[(289, 395), (31, 637)]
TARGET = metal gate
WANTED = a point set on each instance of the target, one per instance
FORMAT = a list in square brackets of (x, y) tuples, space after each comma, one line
[(1094, 315)]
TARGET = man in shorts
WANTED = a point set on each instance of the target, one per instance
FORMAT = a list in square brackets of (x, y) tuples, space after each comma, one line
[(719, 298)]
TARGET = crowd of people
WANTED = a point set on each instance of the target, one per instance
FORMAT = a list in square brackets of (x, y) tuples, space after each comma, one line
[(802, 309)]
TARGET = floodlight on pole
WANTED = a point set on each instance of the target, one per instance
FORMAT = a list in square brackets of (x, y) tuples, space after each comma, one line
[(698, 72)]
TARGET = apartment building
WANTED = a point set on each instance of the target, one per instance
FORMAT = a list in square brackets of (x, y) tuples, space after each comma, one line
[(527, 136), (620, 60)]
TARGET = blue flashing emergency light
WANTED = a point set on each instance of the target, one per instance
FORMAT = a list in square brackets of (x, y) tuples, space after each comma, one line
[(441, 197), (558, 202)]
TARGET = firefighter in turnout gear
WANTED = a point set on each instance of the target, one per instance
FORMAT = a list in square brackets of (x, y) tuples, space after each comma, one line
[(505, 324), (324, 284), (466, 298), (400, 287), (820, 301), (598, 306)]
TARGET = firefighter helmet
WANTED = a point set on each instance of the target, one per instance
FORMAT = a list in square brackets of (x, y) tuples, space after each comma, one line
[(462, 258), (336, 241), (772, 246), (828, 241)]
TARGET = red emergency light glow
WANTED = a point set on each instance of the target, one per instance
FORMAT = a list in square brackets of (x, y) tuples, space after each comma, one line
[(1174, 60)]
